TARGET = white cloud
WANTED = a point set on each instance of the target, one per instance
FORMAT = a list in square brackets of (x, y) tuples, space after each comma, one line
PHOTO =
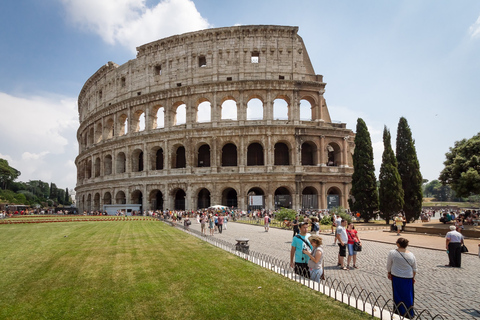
[(38, 136), (131, 23), (475, 29)]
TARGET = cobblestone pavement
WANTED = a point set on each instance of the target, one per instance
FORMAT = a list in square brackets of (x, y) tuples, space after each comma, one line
[(451, 292)]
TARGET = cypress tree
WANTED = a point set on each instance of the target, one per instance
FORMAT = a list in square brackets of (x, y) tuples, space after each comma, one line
[(67, 197), (409, 170), (391, 191), (364, 195)]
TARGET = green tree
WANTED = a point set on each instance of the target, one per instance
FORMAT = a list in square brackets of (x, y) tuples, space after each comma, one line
[(438, 191), (391, 192), (409, 170), (462, 167), (53, 193), (7, 174), (67, 200), (364, 194)]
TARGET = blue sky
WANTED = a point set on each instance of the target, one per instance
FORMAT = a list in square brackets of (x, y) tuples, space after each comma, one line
[(381, 60)]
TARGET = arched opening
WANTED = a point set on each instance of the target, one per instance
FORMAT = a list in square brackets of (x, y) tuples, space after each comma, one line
[(96, 202), (229, 110), (229, 155), (308, 154), (256, 199), (281, 154), (204, 112), (309, 198), (141, 122), (179, 199), (120, 198), (255, 109), (333, 198), (204, 156), (109, 129), (160, 118), (89, 169), (180, 160), (255, 155), (98, 133), (283, 198), (280, 109), (156, 200), (89, 202), (157, 163), (203, 199), (137, 198), (107, 164), (91, 138), (123, 124), (97, 167), (180, 115), (333, 154), (305, 110), (107, 198), (121, 162), (229, 198), (137, 160)]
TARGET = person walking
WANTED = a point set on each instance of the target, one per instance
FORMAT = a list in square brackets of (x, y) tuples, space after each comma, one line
[(299, 260), (399, 223), (266, 222), (295, 226), (211, 224), (402, 268), (315, 264), (203, 223), (454, 242), (352, 235), (220, 223)]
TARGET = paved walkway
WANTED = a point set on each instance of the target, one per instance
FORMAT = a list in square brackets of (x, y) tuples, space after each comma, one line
[(452, 292)]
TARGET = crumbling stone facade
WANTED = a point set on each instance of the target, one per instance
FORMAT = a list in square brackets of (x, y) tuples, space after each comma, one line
[(212, 117)]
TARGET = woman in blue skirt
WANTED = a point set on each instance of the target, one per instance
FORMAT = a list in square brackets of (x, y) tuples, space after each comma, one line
[(402, 268)]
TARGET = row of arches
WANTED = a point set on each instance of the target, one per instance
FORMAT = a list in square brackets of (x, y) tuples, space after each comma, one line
[(177, 199), (157, 117), (284, 154)]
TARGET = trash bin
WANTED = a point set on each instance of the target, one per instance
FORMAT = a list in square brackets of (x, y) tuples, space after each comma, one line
[(242, 245)]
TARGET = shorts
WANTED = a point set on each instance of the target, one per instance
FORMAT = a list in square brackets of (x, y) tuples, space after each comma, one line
[(343, 250), (351, 252)]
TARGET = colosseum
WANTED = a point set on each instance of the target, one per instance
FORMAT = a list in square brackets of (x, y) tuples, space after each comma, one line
[(231, 116)]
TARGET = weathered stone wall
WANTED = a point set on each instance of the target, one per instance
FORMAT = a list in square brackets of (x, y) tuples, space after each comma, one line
[(163, 129)]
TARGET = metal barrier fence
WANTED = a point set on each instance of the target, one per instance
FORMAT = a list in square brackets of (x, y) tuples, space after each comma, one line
[(375, 305)]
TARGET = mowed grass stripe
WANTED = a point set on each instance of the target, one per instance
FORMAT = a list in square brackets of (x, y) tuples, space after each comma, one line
[(141, 270)]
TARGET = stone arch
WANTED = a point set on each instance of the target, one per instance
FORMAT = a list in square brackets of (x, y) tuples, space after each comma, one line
[(159, 118), (281, 154), (204, 111), (136, 197), (309, 198), (120, 198), (309, 151), (203, 156), (107, 198), (156, 158), (253, 195), (179, 199), (306, 110), (89, 169), (137, 160), (229, 110), (156, 200), (255, 108), (107, 164), (229, 155), (230, 197), (89, 202), (203, 198), (334, 195), (121, 163), (98, 132), (281, 109), (97, 167), (283, 198), (138, 121), (255, 156), (179, 159), (180, 113), (91, 137), (96, 202), (122, 124), (109, 129), (334, 154)]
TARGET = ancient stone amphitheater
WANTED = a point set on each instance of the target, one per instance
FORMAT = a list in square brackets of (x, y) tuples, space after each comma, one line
[(229, 116)]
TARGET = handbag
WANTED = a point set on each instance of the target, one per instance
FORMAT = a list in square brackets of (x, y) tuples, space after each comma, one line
[(357, 246), (463, 249)]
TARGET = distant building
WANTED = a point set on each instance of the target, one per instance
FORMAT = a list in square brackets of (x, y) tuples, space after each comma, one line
[(230, 116)]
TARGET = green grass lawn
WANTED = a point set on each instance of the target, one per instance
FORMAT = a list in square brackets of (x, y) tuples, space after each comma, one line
[(141, 270)]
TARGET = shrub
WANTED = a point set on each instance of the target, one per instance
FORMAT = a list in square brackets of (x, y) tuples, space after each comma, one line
[(285, 214)]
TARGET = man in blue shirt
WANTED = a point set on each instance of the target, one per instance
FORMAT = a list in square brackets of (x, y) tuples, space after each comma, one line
[(299, 243)]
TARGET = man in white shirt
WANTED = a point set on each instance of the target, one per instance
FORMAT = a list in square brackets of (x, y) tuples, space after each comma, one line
[(454, 241), (342, 243), (338, 223)]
